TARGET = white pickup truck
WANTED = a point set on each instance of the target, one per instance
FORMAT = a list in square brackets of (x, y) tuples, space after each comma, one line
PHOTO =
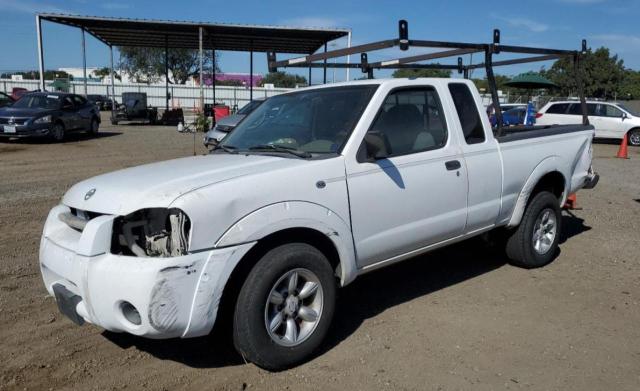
[(312, 189)]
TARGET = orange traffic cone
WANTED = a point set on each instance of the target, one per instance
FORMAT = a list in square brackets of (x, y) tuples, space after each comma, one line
[(571, 202), (622, 151)]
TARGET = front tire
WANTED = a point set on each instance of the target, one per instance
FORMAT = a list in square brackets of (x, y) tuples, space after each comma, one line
[(633, 137), (535, 242), (94, 127), (285, 307), (57, 132)]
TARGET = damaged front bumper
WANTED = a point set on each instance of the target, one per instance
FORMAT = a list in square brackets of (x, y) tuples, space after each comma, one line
[(151, 297)]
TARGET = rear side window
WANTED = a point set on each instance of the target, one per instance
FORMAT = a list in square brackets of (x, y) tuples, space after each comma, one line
[(467, 113), (575, 109), (558, 108)]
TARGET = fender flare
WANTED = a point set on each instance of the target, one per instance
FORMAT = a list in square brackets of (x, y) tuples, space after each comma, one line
[(296, 214), (546, 166)]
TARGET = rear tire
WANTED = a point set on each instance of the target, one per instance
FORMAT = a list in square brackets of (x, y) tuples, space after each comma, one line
[(633, 137), (535, 242), (279, 322)]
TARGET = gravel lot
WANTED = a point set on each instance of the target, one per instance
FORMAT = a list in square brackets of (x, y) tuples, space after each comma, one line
[(454, 319)]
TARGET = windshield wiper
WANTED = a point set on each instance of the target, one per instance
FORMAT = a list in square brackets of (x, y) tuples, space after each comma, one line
[(226, 148), (281, 148)]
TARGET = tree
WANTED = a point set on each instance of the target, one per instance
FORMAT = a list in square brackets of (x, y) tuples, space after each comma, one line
[(147, 65), (630, 86), (282, 79), (421, 73), (35, 75), (602, 77), (106, 72), (483, 84)]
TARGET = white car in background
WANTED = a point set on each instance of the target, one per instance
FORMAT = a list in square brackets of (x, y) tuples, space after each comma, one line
[(610, 119)]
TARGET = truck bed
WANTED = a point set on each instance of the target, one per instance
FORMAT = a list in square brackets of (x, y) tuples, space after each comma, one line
[(521, 132)]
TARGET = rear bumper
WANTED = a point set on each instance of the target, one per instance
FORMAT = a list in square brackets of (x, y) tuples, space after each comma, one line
[(174, 297)]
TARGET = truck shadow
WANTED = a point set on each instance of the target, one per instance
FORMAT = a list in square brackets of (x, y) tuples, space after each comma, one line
[(368, 296)]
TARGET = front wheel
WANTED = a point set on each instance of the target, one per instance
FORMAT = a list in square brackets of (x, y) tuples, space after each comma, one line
[(633, 137), (94, 127), (57, 132), (285, 307), (534, 243)]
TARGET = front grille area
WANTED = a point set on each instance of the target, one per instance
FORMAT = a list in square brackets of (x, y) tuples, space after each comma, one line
[(16, 121)]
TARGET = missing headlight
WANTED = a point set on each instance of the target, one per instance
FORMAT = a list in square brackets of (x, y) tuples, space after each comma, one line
[(156, 232)]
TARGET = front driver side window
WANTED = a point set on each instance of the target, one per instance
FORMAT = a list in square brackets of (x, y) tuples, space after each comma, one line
[(411, 120)]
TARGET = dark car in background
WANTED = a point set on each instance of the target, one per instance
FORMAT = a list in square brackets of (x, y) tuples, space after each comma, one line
[(46, 114), (6, 100), (226, 124), (102, 102)]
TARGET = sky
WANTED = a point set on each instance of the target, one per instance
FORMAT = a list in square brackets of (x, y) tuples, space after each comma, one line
[(544, 23)]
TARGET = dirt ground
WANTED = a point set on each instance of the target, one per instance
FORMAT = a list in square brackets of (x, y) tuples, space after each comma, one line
[(456, 319)]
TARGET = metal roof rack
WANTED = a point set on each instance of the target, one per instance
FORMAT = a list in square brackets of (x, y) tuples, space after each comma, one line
[(453, 49)]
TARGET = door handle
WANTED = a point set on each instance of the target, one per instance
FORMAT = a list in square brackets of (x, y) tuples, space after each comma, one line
[(452, 165)]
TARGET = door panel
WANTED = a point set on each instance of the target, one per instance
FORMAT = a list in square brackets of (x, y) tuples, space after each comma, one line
[(402, 203)]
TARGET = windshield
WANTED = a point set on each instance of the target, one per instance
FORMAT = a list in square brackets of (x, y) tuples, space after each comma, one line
[(249, 107), (50, 102), (314, 121), (628, 110)]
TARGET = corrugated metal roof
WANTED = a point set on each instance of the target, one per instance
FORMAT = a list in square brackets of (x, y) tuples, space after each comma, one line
[(182, 34)]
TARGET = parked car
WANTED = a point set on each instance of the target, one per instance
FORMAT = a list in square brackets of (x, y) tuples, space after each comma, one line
[(6, 100), (611, 119), (312, 189), (102, 102), (134, 108), (514, 114), (226, 124), (17, 92), (50, 114)]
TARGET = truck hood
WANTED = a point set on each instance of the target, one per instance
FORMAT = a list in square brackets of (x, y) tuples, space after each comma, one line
[(159, 184)]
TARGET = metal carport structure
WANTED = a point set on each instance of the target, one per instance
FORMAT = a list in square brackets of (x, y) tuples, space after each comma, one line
[(191, 35)]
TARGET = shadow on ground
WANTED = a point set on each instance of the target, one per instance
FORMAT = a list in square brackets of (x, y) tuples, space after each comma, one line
[(365, 298)]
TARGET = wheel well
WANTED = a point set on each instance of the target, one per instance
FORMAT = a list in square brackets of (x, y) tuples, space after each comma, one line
[(552, 182), (239, 274)]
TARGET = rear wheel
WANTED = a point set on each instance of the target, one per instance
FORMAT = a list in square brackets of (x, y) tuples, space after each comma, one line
[(285, 307), (534, 243), (633, 137), (57, 132)]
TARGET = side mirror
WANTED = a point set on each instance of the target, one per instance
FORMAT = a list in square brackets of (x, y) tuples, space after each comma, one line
[(374, 147), (624, 116)]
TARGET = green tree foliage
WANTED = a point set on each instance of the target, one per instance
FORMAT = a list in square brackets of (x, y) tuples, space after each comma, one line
[(106, 72), (603, 74), (147, 65), (421, 73), (282, 79), (630, 86)]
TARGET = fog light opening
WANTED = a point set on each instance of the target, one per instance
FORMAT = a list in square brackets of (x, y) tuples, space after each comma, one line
[(130, 313)]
